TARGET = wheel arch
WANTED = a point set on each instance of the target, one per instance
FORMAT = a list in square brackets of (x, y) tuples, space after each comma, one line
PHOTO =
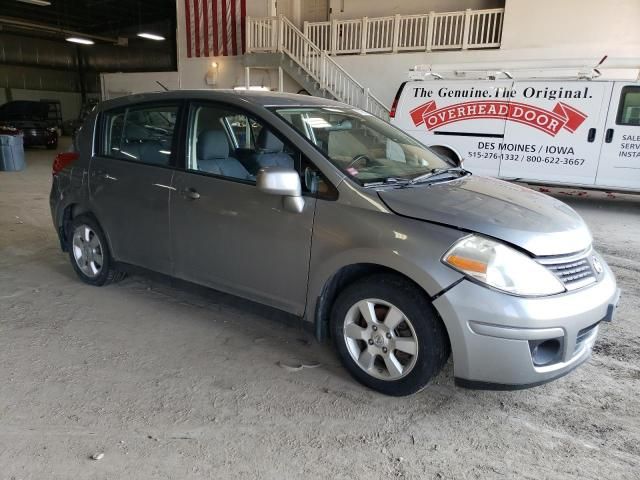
[(346, 275), (71, 211), (448, 152)]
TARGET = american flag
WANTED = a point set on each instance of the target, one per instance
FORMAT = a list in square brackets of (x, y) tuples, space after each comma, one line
[(215, 27)]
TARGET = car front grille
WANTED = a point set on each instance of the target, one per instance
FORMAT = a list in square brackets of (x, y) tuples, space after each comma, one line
[(574, 271)]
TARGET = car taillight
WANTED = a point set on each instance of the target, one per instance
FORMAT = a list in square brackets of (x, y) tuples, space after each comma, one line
[(62, 160), (394, 105)]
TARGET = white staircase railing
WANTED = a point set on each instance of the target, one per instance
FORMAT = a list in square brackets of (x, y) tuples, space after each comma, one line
[(468, 29), (277, 34)]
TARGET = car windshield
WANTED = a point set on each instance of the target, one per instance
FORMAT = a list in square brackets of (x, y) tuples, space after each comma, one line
[(361, 145)]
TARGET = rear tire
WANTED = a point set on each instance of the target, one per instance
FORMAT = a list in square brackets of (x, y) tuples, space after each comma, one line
[(89, 253), (388, 335)]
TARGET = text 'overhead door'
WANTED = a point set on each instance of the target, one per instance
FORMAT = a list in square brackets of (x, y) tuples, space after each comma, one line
[(466, 116), (554, 131)]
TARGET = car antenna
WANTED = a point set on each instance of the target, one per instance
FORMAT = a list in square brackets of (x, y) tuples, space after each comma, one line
[(165, 88)]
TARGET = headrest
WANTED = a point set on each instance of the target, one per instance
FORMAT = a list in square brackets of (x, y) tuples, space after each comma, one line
[(268, 142), (212, 144)]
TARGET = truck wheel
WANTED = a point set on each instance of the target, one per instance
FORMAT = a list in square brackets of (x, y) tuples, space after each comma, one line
[(89, 253), (388, 335)]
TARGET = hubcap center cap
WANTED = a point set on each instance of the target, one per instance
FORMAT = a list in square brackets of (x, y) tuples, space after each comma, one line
[(379, 340)]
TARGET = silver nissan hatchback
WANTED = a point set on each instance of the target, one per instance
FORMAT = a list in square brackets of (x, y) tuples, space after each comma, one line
[(324, 211)]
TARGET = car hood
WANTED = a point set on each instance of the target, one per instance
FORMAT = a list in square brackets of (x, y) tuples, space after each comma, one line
[(533, 221)]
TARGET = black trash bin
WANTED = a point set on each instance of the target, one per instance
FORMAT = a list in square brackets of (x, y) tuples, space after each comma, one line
[(11, 153)]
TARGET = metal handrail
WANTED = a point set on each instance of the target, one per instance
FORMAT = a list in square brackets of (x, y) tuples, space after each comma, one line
[(278, 34)]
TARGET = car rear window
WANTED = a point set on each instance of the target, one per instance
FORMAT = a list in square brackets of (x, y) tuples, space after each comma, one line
[(140, 133)]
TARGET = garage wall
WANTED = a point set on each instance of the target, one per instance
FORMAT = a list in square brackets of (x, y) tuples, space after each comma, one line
[(602, 26), (192, 71), (569, 41), (116, 85)]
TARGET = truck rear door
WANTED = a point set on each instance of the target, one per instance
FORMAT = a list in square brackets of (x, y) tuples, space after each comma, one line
[(620, 155), (554, 131)]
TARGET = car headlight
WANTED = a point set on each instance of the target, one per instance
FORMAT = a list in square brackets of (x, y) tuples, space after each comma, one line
[(502, 267), (52, 129)]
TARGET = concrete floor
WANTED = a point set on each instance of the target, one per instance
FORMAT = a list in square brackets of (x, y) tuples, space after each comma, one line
[(174, 381)]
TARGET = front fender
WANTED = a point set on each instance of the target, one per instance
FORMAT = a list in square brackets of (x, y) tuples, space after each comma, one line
[(345, 235)]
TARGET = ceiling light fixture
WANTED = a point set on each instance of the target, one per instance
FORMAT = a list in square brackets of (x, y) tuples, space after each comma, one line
[(82, 41), (151, 36), (40, 3)]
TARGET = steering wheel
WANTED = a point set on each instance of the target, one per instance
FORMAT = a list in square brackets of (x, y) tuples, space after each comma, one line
[(356, 159)]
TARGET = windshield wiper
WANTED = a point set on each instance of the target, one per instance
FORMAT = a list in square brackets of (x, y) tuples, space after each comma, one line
[(388, 181), (436, 172)]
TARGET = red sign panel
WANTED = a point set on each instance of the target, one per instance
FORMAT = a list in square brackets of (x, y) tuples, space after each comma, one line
[(550, 122)]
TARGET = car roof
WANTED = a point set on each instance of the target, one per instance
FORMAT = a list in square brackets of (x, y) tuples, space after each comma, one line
[(264, 99)]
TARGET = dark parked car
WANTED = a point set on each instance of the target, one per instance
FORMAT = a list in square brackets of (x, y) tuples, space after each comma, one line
[(30, 118)]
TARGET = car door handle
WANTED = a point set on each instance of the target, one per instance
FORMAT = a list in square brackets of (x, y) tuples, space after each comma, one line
[(591, 136), (190, 194), (609, 135)]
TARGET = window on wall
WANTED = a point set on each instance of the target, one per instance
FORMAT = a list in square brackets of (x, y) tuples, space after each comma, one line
[(629, 110), (140, 133)]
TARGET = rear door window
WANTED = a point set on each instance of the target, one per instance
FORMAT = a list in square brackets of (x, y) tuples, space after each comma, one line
[(629, 110), (142, 134)]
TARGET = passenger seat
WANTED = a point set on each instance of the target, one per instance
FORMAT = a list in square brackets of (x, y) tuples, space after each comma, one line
[(271, 151), (212, 152)]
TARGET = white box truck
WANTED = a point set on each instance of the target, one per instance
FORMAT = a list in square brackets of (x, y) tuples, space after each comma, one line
[(583, 133)]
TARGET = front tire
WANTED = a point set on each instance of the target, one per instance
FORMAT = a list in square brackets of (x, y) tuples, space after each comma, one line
[(89, 253), (388, 335)]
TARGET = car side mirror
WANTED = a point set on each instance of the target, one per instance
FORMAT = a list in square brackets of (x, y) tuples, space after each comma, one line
[(284, 182)]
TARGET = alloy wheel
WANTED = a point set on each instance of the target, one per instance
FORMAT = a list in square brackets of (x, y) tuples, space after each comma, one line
[(380, 339), (87, 251)]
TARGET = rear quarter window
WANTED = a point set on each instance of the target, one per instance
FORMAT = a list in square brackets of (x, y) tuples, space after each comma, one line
[(144, 134)]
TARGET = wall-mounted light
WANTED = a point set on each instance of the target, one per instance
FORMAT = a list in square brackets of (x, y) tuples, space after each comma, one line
[(151, 36), (212, 74), (80, 40)]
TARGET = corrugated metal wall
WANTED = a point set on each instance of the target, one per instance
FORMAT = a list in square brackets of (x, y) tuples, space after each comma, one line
[(42, 64), (22, 50), (37, 78)]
